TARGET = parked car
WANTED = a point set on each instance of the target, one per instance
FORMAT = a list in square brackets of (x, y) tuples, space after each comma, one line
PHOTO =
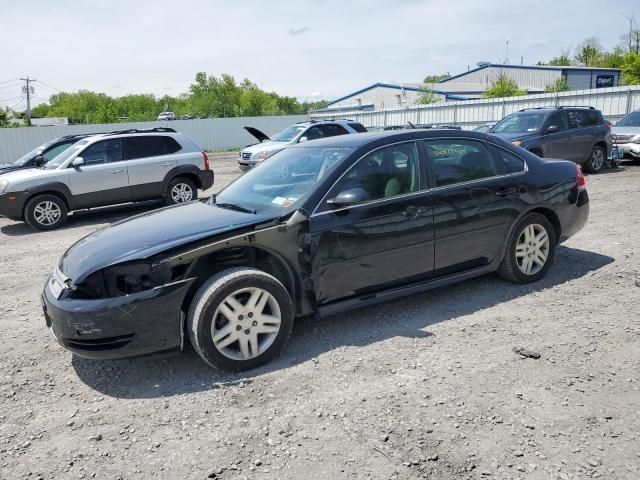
[(166, 116), (298, 133), (119, 167), (626, 134), (39, 156), (484, 128), (578, 134), (318, 228)]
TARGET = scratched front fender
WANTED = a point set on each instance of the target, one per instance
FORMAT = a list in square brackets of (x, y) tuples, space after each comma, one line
[(119, 327)]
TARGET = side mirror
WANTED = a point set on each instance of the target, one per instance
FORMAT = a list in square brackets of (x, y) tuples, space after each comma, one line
[(346, 198), (38, 161), (78, 161), (552, 128), (303, 139)]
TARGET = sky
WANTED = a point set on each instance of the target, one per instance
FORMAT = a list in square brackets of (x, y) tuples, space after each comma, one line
[(309, 49)]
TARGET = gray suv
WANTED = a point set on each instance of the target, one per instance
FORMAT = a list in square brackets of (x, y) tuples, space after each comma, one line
[(297, 133), (119, 167)]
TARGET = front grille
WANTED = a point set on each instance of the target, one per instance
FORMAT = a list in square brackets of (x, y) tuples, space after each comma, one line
[(621, 138), (246, 155), (92, 345)]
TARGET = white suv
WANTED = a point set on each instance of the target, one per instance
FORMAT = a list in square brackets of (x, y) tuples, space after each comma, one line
[(118, 167), (297, 133)]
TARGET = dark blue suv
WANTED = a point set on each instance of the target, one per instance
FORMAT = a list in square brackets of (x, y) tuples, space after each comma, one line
[(579, 134)]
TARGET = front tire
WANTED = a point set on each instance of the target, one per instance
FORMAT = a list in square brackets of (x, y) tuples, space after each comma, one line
[(180, 190), (530, 250), (240, 319), (45, 212), (596, 161)]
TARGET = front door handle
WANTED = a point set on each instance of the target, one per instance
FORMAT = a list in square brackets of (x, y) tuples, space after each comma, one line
[(413, 212), (121, 170), (165, 164), (505, 192)]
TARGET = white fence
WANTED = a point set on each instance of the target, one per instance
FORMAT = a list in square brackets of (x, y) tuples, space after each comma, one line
[(210, 133), (614, 103)]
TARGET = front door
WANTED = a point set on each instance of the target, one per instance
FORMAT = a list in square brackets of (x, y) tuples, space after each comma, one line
[(475, 201), (386, 240), (102, 179)]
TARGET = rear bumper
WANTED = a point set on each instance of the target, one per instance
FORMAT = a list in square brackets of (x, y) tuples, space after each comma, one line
[(119, 327), (206, 178), (12, 204)]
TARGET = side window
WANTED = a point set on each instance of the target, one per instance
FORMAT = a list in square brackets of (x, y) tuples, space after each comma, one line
[(143, 147), (102, 152), (578, 118), (505, 161), (457, 161), (55, 151), (358, 127), (332, 130), (170, 145), (559, 119), (593, 117), (314, 133), (384, 173)]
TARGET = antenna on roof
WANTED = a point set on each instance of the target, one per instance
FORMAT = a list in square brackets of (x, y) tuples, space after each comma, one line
[(506, 58)]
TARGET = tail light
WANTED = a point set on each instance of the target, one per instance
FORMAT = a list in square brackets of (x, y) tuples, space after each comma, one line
[(608, 125), (205, 157), (581, 182)]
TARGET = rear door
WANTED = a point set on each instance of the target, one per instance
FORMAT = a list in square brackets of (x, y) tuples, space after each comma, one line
[(102, 179), (149, 160), (474, 203), (580, 135), (556, 144), (382, 242)]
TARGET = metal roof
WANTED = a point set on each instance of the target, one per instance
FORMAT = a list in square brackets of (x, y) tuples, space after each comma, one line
[(394, 86), (528, 67)]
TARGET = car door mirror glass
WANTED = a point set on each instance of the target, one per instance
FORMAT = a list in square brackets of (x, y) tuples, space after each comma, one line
[(78, 161), (553, 129), (38, 161), (303, 139), (349, 197)]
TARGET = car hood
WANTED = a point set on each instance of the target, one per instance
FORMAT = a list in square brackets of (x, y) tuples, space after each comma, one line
[(5, 167), (625, 130), (260, 136), (270, 147), (513, 137), (145, 235), (18, 175)]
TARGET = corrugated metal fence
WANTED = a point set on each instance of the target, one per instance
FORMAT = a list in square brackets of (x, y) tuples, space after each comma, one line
[(210, 133), (614, 103)]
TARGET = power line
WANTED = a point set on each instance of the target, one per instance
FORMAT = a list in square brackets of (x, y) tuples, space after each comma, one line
[(50, 86), (7, 81), (4, 100), (11, 86)]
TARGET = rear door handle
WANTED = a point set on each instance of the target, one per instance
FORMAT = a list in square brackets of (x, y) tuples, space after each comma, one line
[(504, 192)]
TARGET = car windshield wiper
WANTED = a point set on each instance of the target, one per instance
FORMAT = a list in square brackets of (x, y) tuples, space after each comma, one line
[(233, 206)]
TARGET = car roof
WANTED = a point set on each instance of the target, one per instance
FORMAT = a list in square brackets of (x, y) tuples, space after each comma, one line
[(360, 139), (320, 122)]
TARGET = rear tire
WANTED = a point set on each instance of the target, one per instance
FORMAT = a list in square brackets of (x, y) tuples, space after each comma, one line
[(180, 190), (240, 319), (45, 212), (530, 250), (596, 160)]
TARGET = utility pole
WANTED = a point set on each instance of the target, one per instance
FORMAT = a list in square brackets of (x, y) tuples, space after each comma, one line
[(28, 90)]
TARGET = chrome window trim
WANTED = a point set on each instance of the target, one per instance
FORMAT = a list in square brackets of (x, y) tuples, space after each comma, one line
[(428, 190)]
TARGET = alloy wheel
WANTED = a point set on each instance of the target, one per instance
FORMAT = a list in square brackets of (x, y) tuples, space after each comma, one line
[(532, 249), (181, 193), (597, 159), (246, 323), (47, 213)]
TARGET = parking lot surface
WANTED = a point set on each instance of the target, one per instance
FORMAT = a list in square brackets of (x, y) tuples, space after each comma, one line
[(428, 386)]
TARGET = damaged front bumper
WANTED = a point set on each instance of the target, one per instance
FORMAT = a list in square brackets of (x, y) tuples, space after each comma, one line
[(119, 327)]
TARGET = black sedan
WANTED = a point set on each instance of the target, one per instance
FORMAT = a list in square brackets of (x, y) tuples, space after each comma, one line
[(318, 228)]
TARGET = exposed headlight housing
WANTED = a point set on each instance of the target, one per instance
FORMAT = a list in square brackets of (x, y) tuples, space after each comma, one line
[(262, 155), (3, 185)]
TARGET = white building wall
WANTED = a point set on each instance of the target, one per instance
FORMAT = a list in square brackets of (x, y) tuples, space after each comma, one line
[(382, 97), (533, 78)]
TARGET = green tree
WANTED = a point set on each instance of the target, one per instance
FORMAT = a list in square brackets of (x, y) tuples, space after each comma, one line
[(589, 53), (427, 95), (631, 69), (436, 78), (503, 86), (559, 85)]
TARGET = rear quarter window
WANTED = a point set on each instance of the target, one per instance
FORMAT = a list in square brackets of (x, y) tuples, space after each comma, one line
[(358, 127), (505, 161), (171, 145)]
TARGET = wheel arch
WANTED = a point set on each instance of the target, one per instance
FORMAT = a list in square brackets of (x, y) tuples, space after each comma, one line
[(59, 190), (553, 219), (188, 171)]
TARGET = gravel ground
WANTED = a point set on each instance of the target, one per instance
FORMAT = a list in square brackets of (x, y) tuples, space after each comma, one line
[(426, 387)]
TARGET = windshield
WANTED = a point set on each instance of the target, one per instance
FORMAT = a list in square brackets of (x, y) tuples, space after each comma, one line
[(520, 123), (64, 156), (631, 120), (288, 134), (280, 183), (28, 156)]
